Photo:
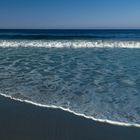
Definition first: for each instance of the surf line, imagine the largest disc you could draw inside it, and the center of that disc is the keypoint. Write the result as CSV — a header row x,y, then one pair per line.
x,y
73,112
70,44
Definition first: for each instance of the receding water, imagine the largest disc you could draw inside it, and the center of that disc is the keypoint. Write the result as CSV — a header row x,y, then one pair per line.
x,y
102,82
95,73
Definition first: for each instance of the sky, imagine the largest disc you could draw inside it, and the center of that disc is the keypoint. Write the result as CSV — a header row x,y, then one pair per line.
x,y
69,14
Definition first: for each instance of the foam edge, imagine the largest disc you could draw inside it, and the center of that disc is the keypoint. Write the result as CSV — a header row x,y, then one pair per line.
x,y
73,112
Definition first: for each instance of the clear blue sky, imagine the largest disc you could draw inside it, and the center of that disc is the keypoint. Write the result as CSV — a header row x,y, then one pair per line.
x,y
69,14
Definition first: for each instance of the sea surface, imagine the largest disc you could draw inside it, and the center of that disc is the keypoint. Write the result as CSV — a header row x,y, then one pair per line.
x,y
95,73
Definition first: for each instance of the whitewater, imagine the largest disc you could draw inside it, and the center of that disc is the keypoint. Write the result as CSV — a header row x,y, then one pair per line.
x,y
71,43
96,79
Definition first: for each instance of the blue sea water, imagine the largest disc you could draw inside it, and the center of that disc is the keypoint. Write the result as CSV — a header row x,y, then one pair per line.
x,y
70,34
91,72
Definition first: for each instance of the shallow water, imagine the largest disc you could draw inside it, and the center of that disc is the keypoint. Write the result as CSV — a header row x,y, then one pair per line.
x,y
102,82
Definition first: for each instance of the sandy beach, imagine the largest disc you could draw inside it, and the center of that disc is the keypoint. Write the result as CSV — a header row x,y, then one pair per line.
x,y
24,121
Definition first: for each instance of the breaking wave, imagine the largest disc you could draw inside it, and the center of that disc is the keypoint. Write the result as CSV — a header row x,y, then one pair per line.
x,y
98,79
70,43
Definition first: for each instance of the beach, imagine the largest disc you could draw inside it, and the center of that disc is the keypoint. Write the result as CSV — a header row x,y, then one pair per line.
x,y
19,120
69,85
69,70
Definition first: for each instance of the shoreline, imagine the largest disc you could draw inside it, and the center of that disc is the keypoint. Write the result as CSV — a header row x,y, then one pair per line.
x,y
71,111
20,120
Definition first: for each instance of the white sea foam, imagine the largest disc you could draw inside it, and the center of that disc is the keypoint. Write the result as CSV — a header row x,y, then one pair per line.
x,y
70,43
98,83
73,112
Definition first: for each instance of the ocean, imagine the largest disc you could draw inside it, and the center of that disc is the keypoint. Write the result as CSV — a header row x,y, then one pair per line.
x,y
92,73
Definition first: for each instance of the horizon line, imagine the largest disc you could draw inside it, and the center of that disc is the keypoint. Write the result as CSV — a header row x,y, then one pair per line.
x,y
69,28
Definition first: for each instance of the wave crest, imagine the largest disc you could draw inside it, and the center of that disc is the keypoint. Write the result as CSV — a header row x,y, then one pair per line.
x,y
102,83
70,43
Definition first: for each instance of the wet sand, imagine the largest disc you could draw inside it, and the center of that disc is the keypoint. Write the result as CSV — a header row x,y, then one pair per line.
x,y
22,121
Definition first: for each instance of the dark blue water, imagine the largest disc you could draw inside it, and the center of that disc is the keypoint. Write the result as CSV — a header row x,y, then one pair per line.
x,y
90,72
69,34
